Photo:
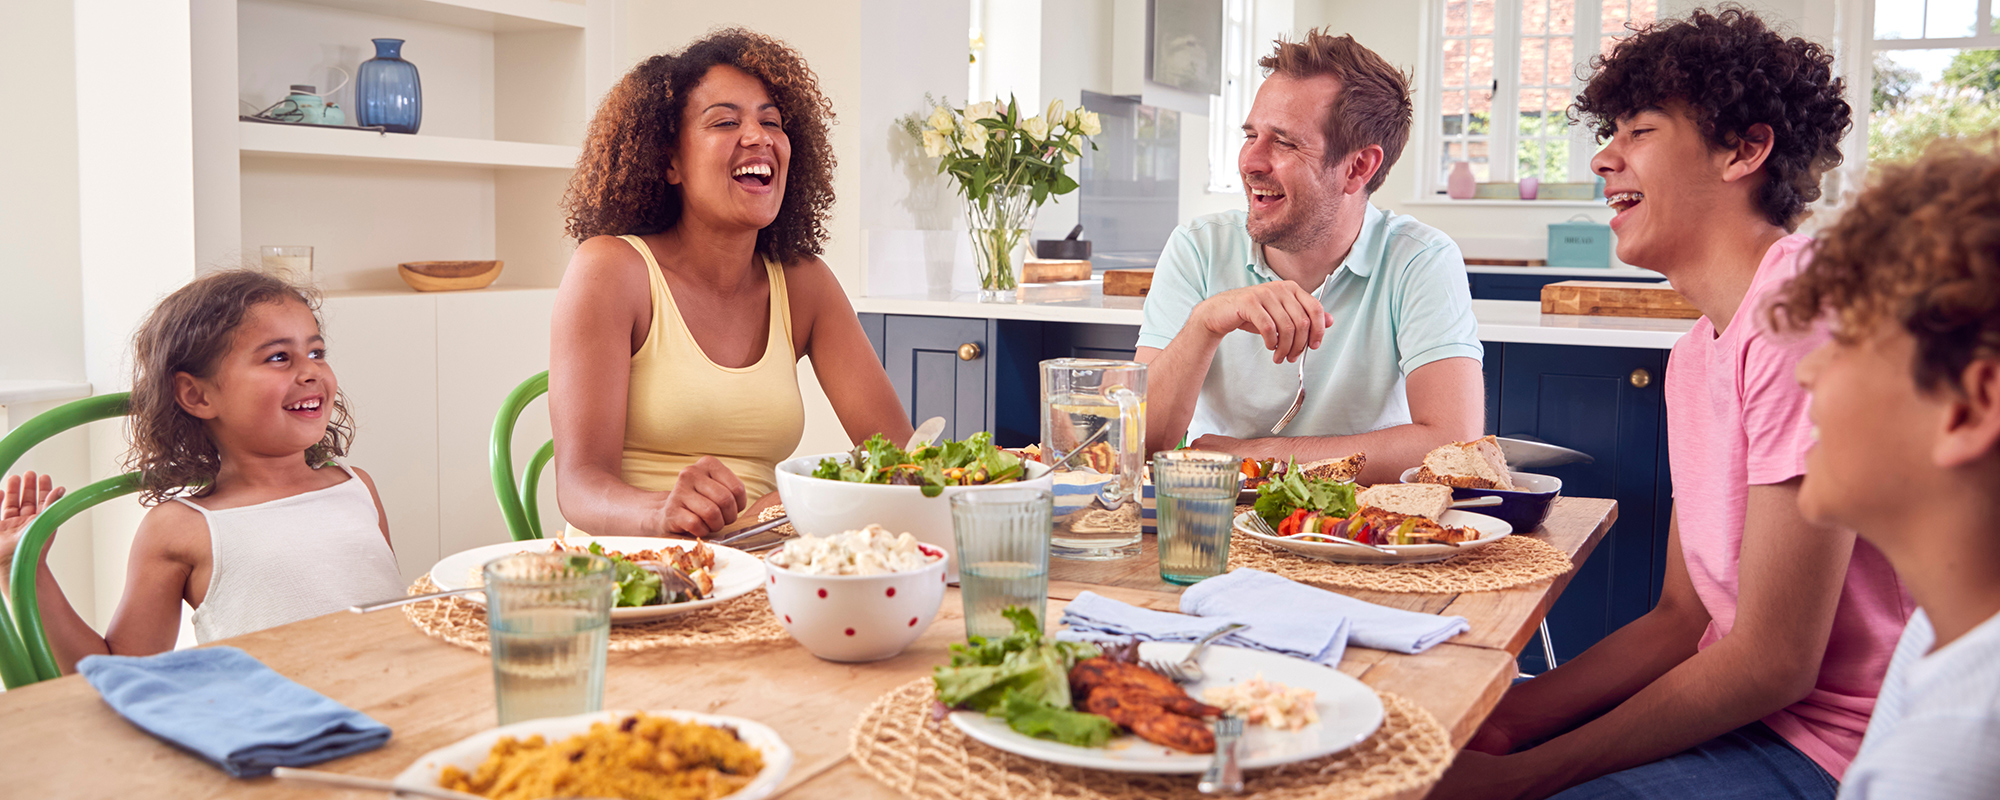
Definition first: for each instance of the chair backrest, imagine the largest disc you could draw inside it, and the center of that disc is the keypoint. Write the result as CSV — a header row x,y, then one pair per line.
x,y
517,502
24,648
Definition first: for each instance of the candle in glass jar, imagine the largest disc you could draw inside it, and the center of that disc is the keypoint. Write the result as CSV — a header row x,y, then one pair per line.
x,y
293,262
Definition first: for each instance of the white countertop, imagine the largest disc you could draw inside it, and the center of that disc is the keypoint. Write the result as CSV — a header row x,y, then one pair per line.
x,y
1567,272
1085,301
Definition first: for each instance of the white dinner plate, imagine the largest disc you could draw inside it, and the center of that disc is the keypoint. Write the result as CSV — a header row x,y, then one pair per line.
x,y
736,573
468,753
1348,712
1491,529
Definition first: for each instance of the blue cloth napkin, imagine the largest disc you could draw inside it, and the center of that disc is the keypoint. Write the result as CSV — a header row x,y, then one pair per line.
x,y
1261,598
1094,617
229,708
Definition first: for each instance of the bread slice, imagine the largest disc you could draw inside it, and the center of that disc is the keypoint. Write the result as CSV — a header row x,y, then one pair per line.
x,y
1477,464
1334,469
1427,500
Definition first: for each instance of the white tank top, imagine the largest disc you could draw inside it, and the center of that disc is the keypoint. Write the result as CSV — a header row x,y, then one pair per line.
x,y
294,558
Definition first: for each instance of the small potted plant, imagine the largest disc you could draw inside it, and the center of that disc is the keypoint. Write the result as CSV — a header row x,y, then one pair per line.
x,y
1006,167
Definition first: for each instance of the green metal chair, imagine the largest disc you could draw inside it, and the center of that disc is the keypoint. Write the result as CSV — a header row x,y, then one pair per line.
x,y
24,654
517,503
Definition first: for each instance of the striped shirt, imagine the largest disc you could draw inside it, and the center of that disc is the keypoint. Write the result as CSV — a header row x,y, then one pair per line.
x,y
1936,728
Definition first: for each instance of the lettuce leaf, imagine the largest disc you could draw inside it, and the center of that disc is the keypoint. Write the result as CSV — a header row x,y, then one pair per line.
x,y
637,586
1060,724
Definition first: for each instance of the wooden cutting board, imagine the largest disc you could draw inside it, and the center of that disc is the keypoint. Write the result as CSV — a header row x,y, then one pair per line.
x,y
1616,299
1128,282
1039,271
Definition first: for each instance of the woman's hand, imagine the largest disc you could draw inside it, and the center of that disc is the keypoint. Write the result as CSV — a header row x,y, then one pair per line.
x,y
706,497
20,501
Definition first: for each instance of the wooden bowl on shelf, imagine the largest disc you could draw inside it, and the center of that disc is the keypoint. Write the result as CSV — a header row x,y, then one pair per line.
x,y
448,276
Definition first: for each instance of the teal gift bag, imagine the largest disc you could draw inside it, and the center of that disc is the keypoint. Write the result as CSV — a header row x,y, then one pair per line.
x,y
1579,243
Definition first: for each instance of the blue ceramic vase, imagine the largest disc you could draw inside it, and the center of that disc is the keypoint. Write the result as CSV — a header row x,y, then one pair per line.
x,y
387,91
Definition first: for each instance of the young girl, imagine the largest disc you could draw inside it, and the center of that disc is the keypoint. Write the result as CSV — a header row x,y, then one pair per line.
x,y
236,419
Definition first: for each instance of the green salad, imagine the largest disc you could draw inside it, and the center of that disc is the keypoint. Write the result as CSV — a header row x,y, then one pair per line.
x,y
1279,497
637,585
1024,679
973,462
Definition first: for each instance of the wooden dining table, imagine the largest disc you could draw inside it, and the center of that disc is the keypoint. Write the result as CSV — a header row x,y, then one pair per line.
x,y
58,739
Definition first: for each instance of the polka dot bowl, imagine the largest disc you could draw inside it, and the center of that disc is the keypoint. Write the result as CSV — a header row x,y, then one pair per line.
x,y
857,617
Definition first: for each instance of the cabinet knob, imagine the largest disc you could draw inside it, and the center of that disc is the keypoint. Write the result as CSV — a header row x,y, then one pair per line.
x,y
968,351
1641,378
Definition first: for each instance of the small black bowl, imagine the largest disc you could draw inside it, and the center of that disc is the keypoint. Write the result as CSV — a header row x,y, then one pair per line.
x,y
1523,509
1062,249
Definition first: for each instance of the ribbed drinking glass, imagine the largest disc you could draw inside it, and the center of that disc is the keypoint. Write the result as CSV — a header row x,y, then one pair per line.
x,y
1196,493
1003,555
548,616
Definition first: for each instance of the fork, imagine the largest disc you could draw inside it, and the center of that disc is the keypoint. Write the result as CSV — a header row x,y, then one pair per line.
x,y
1188,669
1223,776
1298,401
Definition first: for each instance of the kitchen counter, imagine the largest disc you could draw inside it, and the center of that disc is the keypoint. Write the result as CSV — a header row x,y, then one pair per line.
x,y
1085,302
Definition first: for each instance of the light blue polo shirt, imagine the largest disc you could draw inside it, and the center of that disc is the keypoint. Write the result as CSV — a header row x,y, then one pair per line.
x,y
1399,301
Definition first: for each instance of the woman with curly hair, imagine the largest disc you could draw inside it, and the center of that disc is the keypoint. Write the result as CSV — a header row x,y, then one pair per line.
x,y
1754,674
700,202
1907,402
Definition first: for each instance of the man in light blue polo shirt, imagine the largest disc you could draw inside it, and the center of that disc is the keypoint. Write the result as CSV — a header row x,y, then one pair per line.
x,y
1376,304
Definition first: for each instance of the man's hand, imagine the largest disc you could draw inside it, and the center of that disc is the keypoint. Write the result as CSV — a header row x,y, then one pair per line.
x,y
20,501
706,497
1290,319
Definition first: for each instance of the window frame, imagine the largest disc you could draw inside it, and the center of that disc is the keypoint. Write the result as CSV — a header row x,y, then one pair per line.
x,y
1226,111
1586,35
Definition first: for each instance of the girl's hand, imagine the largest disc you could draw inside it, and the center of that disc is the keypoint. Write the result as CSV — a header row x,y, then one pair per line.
x,y
20,501
706,497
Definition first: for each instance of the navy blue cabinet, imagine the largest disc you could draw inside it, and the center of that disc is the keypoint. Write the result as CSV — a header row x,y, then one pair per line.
x,y
1605,401
978,374
1502,286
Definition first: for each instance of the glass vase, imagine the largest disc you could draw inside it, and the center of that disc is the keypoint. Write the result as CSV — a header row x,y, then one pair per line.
x,y
387,91
999,223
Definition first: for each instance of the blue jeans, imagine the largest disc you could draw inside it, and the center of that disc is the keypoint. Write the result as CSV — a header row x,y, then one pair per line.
x,y
1752,762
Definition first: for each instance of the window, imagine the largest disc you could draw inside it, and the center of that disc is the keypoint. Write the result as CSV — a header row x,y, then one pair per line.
x,y
1226,111
1936,72
1515,63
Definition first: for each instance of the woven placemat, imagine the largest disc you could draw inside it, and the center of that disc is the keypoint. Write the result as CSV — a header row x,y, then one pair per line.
x,y
1505,564
773,513
746,619
900,743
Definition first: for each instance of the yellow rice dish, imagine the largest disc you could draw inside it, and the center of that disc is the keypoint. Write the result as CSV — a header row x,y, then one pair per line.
x,y
640,758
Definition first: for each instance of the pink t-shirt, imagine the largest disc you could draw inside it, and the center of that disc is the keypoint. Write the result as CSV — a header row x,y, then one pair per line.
x,y
1736,417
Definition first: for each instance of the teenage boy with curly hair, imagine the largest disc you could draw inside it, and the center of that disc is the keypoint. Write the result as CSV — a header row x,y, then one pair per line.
x,y
1906,404
1755,674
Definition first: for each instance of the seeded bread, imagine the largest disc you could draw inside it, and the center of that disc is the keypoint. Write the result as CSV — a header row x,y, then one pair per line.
x,y
1477,464
1427,500
1334,469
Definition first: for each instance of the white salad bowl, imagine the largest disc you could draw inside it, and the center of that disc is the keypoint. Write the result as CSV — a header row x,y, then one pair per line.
x,y
823,507
857,617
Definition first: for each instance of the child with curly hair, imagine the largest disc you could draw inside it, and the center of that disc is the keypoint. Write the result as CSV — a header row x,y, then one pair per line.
x,y
1906,404
236,421
1755,673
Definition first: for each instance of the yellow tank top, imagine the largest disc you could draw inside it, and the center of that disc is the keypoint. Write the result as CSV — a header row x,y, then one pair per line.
x,y
682,406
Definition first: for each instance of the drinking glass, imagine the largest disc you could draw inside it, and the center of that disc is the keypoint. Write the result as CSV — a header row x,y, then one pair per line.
x,y
292,262
548,616
1094,441
1003,555
1196,493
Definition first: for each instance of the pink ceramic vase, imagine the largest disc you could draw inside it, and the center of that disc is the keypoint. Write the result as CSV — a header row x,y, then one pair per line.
x,y
1461,185
1530,187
